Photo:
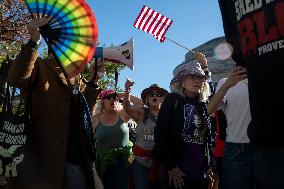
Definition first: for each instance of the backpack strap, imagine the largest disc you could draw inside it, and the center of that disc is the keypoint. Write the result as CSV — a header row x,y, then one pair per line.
x,y
7,100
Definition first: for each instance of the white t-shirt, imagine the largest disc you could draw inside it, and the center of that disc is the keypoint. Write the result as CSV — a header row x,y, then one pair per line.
x,y
236,108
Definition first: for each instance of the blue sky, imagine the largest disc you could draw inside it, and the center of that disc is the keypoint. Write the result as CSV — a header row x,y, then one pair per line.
x,y
194,22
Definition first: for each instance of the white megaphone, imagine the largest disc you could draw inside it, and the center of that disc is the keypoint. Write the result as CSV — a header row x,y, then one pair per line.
x,y
122,54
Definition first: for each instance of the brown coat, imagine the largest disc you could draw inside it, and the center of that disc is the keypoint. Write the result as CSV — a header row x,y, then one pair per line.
x,y
50,116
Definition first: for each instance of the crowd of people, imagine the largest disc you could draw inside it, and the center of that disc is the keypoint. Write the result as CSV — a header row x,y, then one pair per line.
x,y
178,133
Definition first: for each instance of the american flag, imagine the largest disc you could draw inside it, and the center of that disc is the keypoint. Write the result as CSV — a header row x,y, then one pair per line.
x,y
153,22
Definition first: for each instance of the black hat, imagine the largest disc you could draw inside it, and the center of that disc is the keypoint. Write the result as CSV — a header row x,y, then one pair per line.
x,y
153,87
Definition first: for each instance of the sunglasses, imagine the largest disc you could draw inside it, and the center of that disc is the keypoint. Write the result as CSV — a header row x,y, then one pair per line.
x,y
111,96
155,94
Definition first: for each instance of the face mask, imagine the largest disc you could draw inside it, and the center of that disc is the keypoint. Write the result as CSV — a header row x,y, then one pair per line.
x,y
100,74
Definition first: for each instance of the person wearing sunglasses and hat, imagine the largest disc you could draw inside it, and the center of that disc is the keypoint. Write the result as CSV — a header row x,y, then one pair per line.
x,y
145,118
112,140
183,129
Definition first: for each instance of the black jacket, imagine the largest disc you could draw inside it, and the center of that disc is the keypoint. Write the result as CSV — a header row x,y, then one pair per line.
x,y
168,131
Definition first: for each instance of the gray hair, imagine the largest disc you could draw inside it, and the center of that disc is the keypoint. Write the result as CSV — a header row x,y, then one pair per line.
x,y
203,96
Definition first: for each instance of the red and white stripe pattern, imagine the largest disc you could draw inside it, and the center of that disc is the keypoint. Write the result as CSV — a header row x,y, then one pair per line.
x,y
153,22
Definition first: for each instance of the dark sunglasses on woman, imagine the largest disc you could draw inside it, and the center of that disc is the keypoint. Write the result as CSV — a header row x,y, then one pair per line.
x,y
155,94
113,96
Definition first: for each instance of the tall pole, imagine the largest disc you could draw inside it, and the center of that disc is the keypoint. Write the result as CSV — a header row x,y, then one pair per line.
x,y
180,45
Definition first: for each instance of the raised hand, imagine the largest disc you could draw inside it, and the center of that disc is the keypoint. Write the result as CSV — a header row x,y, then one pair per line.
x,y
201,59
34,26
237,75
176,176
128,84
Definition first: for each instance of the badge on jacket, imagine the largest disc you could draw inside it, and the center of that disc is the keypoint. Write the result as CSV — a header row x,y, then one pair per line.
x,y
75,89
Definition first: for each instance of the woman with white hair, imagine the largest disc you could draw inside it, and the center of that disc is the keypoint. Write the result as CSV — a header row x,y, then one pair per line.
x,y
182,132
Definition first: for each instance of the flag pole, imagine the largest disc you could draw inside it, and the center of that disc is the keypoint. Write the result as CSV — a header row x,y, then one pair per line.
x,y
180,45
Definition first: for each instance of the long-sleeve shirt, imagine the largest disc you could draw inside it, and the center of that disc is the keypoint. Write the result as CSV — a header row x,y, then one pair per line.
x,y
183,136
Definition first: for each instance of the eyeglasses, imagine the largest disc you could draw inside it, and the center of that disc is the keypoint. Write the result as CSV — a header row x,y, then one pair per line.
x,y
155,94
111,96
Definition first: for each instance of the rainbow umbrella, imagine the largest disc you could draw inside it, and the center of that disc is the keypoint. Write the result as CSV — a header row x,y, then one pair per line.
x,y
71,33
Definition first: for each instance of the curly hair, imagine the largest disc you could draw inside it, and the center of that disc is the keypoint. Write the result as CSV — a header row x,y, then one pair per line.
x,y
99,107
203,96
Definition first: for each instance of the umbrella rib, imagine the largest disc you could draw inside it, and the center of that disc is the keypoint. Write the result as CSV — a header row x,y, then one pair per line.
x,y
37,9
44,9
67,13
91,44
52,7
57,58
75,27
56,46
66,55
71,20
61,9
77,35
29,9
70,48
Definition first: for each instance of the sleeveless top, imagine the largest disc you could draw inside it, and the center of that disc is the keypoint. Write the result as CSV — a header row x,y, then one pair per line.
x,y
145,136
115,136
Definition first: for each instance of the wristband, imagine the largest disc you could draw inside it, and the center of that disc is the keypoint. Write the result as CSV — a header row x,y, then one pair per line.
x,y
32,44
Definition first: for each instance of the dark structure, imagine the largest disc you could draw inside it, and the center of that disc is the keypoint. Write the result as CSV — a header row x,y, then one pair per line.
x,y
215,52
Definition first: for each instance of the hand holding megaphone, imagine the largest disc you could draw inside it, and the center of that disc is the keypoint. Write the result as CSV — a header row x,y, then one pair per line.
x,y
128,84
121,54
96,66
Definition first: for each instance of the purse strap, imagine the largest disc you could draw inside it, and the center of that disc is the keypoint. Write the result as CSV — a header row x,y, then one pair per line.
x,y
21,103
7,104
87,123
7,101
28,107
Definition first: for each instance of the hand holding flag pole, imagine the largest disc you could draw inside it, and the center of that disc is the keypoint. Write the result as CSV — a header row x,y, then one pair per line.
x,y
155,24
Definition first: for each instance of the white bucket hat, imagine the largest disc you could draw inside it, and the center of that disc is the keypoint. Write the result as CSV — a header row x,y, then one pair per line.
x,y
188,68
